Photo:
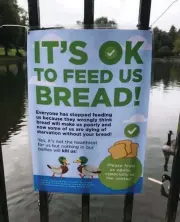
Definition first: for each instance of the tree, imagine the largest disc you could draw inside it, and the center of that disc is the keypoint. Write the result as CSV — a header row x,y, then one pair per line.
x,y
177,45
23,32
162,38
178,32
9,15
164,51
102,22
173,33
164,41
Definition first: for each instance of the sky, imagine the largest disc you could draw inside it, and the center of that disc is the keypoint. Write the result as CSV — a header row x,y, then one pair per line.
x,y
125,12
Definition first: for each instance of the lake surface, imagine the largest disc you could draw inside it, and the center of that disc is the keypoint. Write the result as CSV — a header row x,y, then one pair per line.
x,y
23,201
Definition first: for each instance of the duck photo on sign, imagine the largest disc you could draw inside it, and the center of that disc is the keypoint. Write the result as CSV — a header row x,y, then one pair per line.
x,y
60,170
86,169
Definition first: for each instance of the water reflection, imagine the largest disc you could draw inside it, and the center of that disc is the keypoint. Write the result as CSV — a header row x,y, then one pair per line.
x,y
12,98
13,88
167,73
22,201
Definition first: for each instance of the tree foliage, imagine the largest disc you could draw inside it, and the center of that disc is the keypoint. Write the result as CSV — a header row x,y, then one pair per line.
x,y
177,45
102,22
11,13
165,42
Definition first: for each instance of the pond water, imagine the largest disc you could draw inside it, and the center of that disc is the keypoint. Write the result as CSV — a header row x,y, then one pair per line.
x,y
23,201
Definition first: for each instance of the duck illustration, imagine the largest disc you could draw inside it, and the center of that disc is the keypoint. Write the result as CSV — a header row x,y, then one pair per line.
x,y
62,169
86,170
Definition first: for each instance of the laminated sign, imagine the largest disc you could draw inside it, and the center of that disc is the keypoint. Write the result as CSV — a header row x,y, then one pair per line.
x,y
88,96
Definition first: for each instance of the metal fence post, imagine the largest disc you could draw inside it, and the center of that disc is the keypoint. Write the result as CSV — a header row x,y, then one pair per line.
x,y
128,207
173,197
85,207
34,23
143,24
34,14
88,13
44,206
144,14
88,24
3,199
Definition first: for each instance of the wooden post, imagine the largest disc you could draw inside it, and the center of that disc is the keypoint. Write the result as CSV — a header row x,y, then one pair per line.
x,y
175,183
143,24
34,23
3,199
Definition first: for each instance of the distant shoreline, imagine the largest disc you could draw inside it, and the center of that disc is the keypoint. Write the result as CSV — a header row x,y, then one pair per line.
x,y
167,60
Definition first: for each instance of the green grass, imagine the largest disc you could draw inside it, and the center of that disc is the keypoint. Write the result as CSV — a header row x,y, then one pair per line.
x,y
12,52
